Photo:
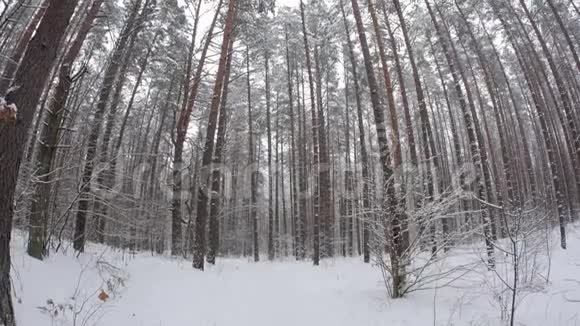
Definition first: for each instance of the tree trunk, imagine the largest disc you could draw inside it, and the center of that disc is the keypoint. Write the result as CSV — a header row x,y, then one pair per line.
x,y
302,168
565,32
384,152
202,204
292,159
564,96
252,165
180,133
105,178
216,208
154,153
103,98
270,171
48,143
315,135
362,141
402,87
31,76
473,141
426,131
277,183
326,203
532,79
348,198
19,50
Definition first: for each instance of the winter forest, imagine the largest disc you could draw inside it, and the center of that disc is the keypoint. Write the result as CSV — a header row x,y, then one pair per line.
x,y
299,162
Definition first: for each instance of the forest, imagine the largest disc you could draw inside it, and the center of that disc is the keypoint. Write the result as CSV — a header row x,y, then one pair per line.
x,y
412,149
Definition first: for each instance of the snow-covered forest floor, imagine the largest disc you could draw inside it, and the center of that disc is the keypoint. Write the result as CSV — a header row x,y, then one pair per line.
x,y
146,290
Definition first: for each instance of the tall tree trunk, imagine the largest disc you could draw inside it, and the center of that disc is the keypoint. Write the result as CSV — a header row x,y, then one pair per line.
x,y
103,98
18,52
154,154
202,204
518,114
362,141
270,171
385,156
448,50
216,204
398,223
292,158
105,178
349,197
315,140
396,138
180,134
326,203
402,87
302,163
48,143
497,107
252,165
190,56
565,32
285,238
31,76
564,96
426,131
277,184
543,116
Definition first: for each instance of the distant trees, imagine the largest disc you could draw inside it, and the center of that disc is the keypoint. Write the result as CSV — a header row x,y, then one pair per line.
x,y
126,37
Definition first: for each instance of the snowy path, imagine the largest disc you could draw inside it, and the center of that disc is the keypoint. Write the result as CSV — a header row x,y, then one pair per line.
x,y
238,293
165,291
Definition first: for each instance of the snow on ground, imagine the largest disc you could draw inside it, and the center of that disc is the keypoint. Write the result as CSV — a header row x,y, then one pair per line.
x,y
162,291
